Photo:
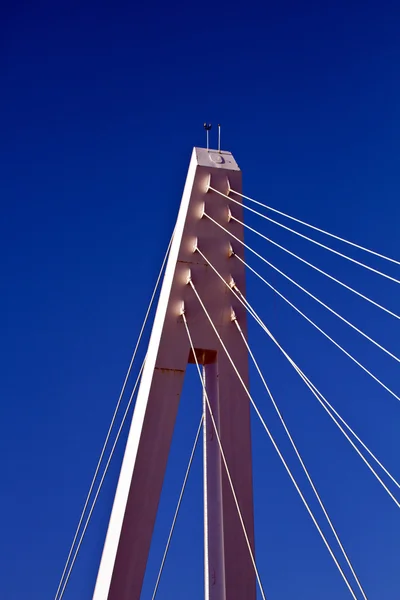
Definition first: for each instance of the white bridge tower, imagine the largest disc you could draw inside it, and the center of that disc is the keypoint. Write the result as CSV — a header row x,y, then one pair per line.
x,y
229,572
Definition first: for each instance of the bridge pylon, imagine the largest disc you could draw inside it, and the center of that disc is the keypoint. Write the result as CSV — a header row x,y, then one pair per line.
x,y
229,572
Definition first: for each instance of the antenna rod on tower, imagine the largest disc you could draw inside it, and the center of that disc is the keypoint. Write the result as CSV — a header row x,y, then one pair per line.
x,y
207,127
219,138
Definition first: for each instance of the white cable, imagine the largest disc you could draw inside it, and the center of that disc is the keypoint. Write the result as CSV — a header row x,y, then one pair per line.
x,y
309,264
332,235
305,237
206,528
359,440
101,482
177,508
113,418
205,395
324,402
300,458
318,328
274,444
396,358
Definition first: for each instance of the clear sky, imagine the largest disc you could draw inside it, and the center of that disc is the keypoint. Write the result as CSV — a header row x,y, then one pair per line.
x,y
101,104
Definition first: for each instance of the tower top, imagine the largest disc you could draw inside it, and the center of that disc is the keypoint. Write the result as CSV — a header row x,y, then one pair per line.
x,y
213,158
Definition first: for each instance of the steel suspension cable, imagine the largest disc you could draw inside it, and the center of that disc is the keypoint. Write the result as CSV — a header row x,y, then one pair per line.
x,y
332,235
289,435
370,339
206,512
205,395
324,403
359,440
274,443
114,416
178,506
101,483
331,277
316,326
320,397
305,237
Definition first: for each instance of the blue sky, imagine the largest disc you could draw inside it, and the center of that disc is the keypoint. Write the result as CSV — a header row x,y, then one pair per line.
x,y
100,108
